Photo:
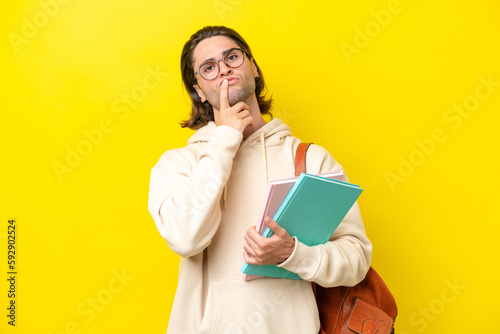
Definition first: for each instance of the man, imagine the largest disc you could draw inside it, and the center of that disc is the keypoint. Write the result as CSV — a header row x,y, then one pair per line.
x,y
205,199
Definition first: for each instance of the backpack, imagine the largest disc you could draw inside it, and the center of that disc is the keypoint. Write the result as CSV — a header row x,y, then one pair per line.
x,y
366,308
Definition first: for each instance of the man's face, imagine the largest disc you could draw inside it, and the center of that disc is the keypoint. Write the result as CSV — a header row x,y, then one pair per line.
x,y
241,80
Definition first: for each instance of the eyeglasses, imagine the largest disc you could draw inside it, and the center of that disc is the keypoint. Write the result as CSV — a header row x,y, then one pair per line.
x,y
209,69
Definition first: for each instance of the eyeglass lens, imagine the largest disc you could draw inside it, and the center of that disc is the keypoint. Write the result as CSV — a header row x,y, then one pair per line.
x,y
210,69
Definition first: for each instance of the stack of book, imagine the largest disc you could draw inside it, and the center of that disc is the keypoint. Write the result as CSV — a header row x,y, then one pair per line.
x,y
309,207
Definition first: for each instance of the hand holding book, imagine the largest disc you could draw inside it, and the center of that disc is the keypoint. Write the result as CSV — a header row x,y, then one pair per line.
x,y
260,250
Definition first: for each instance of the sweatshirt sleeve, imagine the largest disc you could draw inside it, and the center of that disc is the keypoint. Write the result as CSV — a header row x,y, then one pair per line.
x,y
345,259
185,190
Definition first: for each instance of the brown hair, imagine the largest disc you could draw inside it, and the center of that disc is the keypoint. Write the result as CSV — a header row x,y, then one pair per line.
x,y
202,112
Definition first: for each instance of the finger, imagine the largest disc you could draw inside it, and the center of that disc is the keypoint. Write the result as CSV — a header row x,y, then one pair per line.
x,y
240,107
249,259
241,114
253,258
246,118
242,111
252,238
248,250
249,120
224,104
274,226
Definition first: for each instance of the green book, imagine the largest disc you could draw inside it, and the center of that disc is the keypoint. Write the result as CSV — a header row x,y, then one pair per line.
x,y
312,211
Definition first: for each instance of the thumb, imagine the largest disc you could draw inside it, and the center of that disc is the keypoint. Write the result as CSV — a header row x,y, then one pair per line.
x,y
224,104
273,226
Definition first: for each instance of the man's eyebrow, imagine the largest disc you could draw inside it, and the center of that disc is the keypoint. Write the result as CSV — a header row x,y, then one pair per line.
x,y
222,53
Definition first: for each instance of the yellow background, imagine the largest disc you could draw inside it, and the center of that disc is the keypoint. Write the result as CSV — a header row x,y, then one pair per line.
x,y
68,66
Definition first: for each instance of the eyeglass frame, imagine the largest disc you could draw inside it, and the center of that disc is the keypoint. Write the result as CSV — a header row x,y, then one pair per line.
x,y
217,62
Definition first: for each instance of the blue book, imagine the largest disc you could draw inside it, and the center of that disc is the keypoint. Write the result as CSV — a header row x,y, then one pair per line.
x,y
312,211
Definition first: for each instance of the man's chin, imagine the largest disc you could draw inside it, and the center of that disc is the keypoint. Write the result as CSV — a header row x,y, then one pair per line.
x,y
238,96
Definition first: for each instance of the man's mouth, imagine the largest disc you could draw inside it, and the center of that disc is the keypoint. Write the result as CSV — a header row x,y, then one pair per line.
x,y
229,80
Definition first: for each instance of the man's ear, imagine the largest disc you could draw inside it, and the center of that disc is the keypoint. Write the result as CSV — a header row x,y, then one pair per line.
x,y
200,93
254,69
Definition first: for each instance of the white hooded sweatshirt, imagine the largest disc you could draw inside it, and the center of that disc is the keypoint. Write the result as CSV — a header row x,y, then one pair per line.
x,y
205,196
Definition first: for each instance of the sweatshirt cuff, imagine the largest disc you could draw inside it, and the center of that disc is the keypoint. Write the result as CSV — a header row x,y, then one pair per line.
x,y
226,139
304,260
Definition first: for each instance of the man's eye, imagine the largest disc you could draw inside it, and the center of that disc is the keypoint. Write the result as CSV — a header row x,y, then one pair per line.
x,y
232,57
208,68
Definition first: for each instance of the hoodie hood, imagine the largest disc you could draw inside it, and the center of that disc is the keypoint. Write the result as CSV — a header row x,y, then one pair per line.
x,y
274,133
271,134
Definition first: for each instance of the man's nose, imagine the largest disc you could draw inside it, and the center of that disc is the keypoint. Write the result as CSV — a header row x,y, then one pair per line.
x,y
224,69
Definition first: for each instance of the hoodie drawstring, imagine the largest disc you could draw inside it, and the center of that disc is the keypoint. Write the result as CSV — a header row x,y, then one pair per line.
x,y
264,157
224,195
